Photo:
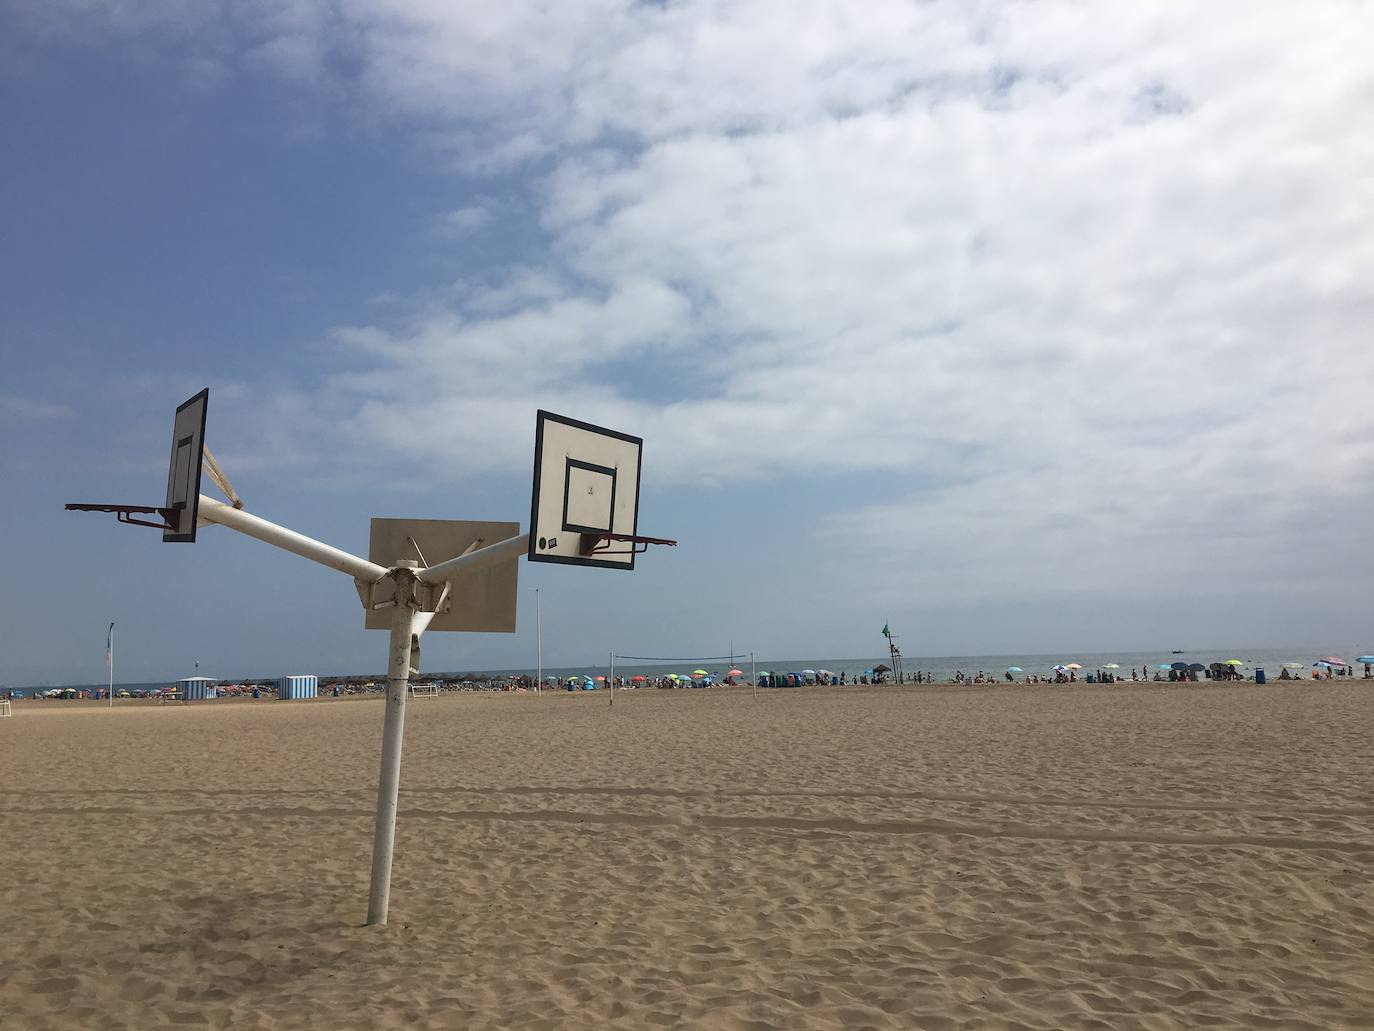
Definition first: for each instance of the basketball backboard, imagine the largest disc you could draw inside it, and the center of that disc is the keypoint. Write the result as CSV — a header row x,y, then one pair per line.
x,y
586,482
183,470
482,601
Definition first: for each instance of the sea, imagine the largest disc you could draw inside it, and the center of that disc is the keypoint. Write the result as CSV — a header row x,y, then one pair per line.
x,y
941,667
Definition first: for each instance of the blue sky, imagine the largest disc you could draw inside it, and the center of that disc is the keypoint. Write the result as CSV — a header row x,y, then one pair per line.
x,y
1023,327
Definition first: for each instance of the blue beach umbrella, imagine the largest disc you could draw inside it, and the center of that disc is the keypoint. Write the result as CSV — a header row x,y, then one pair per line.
x,y
1164,666
1364,658
1015,669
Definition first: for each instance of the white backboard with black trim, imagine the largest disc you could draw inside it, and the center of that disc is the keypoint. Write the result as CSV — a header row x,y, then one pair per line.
x,y
183,470
586,481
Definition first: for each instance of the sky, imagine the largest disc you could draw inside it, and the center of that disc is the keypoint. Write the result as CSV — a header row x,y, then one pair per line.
x,y
1020,327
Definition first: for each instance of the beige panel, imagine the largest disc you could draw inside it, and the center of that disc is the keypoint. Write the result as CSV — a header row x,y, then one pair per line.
x,y
480,602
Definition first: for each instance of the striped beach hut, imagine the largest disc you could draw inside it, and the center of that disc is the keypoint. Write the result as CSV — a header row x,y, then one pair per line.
x,y
292,688
197,689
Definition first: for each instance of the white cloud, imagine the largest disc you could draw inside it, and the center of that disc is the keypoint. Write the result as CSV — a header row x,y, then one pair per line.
x,y
18,407
463,221
1101,269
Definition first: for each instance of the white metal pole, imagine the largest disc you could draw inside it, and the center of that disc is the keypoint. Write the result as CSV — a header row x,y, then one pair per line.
x,y
610,676
753,676
289,540
403,625
491,555
110,652
538,646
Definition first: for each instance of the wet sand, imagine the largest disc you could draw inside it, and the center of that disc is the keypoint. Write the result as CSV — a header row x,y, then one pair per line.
x,y
1005,857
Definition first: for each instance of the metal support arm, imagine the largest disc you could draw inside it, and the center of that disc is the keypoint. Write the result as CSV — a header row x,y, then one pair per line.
x,y
492,555
289,540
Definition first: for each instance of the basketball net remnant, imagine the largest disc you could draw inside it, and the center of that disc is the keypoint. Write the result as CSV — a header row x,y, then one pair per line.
x,y
585,496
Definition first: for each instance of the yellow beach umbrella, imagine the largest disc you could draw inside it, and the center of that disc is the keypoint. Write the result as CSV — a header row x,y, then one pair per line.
x,y
1233,662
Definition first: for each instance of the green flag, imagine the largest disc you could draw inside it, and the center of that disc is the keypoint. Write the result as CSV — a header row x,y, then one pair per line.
x,y
886,631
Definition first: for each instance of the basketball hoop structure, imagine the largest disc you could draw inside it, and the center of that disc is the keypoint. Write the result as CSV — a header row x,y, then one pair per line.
x,y
584,500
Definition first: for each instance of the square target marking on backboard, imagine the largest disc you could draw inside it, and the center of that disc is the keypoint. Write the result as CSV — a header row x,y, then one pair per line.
x,y
586,480
588,497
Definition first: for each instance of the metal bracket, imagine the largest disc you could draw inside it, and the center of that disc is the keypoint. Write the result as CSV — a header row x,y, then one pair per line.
x,y
600,543
208,463
125,513
388,592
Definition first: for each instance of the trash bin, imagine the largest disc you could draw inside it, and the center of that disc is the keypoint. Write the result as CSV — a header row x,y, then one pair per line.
x,y
1259,674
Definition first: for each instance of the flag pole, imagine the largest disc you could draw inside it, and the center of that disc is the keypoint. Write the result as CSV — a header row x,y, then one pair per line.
x,y
109,661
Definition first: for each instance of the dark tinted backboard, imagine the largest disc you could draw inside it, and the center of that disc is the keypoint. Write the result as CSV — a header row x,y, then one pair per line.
x,y
183,470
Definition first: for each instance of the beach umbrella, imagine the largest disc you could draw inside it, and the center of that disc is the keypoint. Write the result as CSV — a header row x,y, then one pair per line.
x,y
1196,667
1112,665
638,676
1180,666
880,668
735,673
1293,665
1060,668
1335,661
672,676
1015,669
1073,665
1164,666
1365,658
1233,662
698,673
809,672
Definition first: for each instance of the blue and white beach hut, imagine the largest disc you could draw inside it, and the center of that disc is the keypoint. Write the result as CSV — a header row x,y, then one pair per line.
x,y
197,689
293,688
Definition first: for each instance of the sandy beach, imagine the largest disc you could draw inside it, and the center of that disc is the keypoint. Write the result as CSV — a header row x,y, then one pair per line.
x,y
1007,857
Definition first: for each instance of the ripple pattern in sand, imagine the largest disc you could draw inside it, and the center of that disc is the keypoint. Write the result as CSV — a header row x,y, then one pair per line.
x,y
889,859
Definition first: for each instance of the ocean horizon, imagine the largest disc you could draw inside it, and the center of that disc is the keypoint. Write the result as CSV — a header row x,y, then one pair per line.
x,y
942,667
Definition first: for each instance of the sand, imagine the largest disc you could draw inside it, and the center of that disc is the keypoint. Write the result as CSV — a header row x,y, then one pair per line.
x,y
1005,857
